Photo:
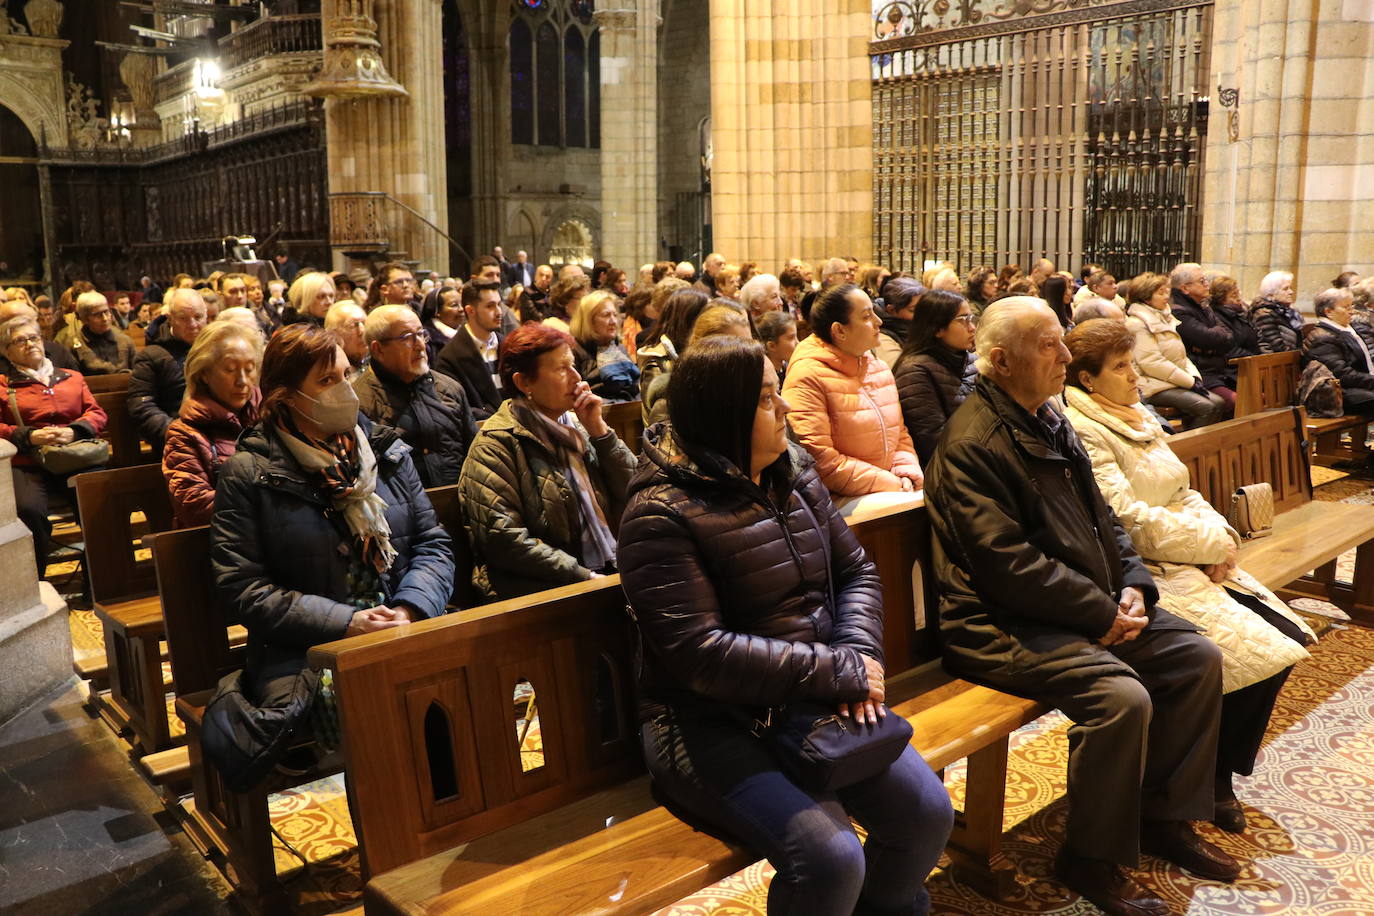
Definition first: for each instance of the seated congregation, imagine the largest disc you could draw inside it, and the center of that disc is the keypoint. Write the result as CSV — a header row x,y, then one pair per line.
x,y
713,447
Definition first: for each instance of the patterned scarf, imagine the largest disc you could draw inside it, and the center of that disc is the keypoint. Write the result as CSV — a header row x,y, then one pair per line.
x,y
343,466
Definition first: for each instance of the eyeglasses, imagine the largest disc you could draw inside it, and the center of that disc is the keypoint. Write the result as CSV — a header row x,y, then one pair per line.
x,y
25,340
966,319
402,281
409,337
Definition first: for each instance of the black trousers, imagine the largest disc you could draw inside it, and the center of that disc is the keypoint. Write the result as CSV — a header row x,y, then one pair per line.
x,y
1245,712
35,490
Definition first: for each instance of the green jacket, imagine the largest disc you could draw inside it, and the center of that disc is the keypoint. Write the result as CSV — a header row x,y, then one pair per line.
x,y
520,510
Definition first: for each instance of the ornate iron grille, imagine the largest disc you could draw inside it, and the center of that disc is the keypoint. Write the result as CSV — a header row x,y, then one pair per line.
x,y
1075,133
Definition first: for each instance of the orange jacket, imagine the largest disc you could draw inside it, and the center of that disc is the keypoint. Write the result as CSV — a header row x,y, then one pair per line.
x,y
845,411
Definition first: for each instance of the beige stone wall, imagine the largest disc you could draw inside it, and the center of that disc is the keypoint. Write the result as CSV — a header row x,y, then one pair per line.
x,y
684,99
1293,192
629,138
791,114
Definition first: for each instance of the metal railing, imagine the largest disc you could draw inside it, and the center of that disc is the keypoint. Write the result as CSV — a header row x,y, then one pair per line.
x,y
271,35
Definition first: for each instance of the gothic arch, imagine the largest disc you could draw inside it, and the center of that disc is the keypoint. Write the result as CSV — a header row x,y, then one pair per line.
x,y
43,117
583,216
521,234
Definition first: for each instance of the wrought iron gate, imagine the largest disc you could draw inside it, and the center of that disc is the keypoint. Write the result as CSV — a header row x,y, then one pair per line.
x,y
1068,129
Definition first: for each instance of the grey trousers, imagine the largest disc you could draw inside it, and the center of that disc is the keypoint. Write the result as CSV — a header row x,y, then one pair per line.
x,y
1144,740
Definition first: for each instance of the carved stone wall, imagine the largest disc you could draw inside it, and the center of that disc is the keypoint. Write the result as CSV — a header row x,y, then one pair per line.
x,y
31,84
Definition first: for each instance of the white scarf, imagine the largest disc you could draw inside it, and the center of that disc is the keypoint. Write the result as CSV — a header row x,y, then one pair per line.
x,y
43,374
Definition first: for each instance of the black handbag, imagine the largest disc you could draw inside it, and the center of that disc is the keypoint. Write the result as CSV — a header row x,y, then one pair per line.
x,y
244,741
819,748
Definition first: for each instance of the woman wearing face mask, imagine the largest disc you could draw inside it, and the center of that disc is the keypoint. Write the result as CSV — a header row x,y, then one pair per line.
x,y
221,402
321,529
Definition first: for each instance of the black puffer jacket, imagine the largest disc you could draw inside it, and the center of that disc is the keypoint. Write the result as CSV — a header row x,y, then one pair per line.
x,y
1338,352
1244,340
157,387
1027,552
729,590
431,414
1208,339
1278,326
280,553
931,386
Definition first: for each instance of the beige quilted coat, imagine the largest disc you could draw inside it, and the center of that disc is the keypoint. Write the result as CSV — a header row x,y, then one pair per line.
x,y
1177,532
1159,350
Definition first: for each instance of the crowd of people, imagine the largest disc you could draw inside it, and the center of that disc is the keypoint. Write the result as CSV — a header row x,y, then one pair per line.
x,y
302,420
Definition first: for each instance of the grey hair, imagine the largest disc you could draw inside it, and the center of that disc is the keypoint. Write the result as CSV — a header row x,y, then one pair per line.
x,y
1096,307
757,288
380,319
88,302
341,312
183,296
209,349
1183,274
9,328
1001,326
1328,299
1273,282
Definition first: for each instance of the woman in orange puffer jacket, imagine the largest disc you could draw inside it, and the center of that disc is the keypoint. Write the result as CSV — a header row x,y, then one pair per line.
x,y
844,402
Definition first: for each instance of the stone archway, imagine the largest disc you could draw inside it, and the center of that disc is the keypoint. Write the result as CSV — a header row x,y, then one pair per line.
x,y
23,250
571,243
32,86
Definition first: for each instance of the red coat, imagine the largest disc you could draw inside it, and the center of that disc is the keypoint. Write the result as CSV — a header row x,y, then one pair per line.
x,y
201,439
68,402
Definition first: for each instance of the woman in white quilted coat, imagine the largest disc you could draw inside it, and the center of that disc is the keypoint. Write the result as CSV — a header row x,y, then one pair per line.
x,y
1189,547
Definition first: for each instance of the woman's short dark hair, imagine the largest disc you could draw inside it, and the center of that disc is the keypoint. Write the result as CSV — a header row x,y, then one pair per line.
x,y
936,310
639,299
772,325
973,286
521,349
831,306
713,394
1094,342
902,293
679,313
291,355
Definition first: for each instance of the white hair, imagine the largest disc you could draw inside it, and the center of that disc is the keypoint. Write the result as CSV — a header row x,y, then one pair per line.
x,y
1273,282
88,302
1097,307
758,288
1183,274
1003,326
342,312
183,296
380,319
242,315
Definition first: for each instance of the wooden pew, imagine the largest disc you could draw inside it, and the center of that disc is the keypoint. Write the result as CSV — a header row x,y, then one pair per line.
x,y
126,448
450,513
137,335
1270,380
466,825
1308,535
627,421
124,590
115,381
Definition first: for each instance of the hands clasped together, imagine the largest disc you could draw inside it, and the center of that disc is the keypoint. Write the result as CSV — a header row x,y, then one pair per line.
x,y
871,709
377,618
1130,618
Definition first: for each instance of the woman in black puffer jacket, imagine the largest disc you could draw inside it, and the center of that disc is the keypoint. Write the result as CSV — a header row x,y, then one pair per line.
x,y
1277,324
935,372
321,528
722,561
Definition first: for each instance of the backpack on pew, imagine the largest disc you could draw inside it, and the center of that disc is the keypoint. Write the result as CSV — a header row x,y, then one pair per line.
x,y
1320,392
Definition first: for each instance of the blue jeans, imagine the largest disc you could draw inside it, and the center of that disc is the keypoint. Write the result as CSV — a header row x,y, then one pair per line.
x,y
721,779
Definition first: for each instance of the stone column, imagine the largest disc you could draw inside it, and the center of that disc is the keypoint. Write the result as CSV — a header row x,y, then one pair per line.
x,y
35,642
489,91
791,114
137,71
396,144
629,132
1290,186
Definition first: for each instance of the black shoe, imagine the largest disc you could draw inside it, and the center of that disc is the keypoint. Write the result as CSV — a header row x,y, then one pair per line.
x,y
1106,886
1177,842
1229,816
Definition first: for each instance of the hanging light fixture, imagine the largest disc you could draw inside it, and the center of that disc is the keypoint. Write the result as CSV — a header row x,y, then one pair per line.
x,y
353,66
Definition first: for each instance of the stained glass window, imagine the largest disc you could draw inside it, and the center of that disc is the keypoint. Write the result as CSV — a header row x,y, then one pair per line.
x,y
555,82
594,82
575,94
548,85
521,83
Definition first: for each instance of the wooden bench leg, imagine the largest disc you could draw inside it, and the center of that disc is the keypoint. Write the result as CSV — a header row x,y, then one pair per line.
x,y
251,862
1362,607
975,845
137,697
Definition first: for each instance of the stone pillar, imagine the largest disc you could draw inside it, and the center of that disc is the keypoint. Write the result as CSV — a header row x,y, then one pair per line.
x,y
791,115
1289,187
629,132
35,642
489,91
396,144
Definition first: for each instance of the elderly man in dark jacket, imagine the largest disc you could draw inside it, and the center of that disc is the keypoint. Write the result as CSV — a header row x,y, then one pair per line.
x,y
1206,335
157,384
101,348
1043,596
397,390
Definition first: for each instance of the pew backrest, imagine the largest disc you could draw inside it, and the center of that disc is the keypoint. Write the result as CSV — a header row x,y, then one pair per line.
x,y
450,512
195,626
627,420
114,381
1267,381
120,429
107,499
440,764
1266,447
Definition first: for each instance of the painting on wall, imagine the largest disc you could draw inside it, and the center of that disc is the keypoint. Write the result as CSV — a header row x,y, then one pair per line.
x,y
893,19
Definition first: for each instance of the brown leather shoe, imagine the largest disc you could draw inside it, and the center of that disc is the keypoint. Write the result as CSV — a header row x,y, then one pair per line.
x,y
1229,815
1106,886
1177,842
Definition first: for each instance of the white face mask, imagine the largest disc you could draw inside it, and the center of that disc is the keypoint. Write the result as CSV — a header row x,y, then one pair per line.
x,y
334,411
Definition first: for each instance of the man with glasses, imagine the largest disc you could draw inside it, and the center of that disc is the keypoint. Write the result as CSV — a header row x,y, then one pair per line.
x,y
426,410
100,348
398,285
1208,338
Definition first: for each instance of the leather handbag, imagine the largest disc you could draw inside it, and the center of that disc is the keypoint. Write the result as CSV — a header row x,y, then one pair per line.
x,y
821,750
1252,510
61,460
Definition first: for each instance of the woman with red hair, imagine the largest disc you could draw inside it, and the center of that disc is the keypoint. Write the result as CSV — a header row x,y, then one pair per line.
x,y
544,483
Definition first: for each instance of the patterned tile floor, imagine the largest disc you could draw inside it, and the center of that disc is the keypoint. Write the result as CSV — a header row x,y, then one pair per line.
x,y
1310,849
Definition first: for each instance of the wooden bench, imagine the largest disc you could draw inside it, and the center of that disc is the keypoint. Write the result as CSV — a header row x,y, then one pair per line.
x,y
1270,380
628,422
449,821
114,381
1299,559
126,448
124,591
